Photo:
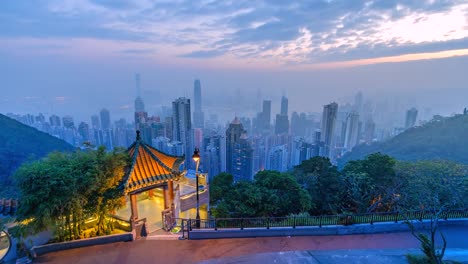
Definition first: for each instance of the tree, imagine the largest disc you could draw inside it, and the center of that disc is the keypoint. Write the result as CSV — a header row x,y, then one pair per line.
x,y
271,194
221,184
289,196
63,189
359,192
433,184
377,182
323,182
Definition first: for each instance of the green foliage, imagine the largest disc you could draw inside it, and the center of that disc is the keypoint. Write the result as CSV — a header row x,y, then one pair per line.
x,y
270,194
220,185
371,184
433,184
20,143
377,183
442,138
323,182
64,189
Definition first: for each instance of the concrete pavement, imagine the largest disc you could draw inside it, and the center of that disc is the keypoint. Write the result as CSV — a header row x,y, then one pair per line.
x,y
194,251
383,256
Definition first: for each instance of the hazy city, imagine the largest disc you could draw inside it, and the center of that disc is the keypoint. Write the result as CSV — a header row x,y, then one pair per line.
x,y
325,131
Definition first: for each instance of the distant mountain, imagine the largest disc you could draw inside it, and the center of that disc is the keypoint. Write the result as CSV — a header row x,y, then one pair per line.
x,y
441,138
19,142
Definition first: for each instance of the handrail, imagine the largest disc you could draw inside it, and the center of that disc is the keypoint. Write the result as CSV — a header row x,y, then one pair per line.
x,y
318,221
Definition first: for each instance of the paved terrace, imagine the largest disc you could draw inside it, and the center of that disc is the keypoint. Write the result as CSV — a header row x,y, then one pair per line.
x,y
333,249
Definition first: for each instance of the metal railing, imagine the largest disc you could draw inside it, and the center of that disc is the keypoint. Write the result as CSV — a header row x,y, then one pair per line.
x,y
188,225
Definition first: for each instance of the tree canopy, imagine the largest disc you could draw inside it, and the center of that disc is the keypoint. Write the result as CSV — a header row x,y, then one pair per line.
x,y
64,189
270,194
377,183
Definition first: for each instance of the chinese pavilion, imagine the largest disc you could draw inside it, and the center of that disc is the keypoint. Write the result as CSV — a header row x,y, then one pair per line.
x,y
151,169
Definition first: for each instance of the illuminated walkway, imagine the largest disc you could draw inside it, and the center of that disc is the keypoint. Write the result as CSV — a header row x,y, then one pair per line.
x,y
151,208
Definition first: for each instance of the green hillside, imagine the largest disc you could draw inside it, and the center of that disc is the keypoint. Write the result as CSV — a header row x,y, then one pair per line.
x,y
444,138
19,142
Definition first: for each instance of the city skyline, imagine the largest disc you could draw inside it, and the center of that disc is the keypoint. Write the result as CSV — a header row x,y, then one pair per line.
x,y
60,56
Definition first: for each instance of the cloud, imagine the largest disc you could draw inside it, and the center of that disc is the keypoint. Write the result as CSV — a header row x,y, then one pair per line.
x,y
203,54
137,51
284,32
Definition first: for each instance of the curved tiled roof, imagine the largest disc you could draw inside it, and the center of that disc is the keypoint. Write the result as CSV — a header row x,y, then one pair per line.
x,y
150,167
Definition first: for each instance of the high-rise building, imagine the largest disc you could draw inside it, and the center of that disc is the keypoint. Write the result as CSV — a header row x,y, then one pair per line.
x,y
83,130
298,127
282,121
239,153
369,131
266,116
213,154
198,116
352,131
141,116
54,120
105,119
411,116
284,105
278,158
358,101
182,125
282,124
95,123
67,122
328,127
242,160
233,134
139,105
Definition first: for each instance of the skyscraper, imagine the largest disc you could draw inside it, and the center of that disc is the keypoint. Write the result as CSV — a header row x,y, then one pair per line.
x,y
95,122
182,125
233,134
213,159
266,116
282,121
369,131
54,120
284,105
239,153
411,116
352,130
83,130
67,122
278,158
328,127
139,105
105,119
242,160
282,124
198,116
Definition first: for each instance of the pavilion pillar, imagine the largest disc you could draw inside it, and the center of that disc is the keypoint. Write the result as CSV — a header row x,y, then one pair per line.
x,y
170,186
151,193
166,197
134,207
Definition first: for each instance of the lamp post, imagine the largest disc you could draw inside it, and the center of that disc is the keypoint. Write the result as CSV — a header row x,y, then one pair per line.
x,y
196,158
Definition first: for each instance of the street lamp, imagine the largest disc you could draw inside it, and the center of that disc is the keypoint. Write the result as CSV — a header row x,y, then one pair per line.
x,y
196,158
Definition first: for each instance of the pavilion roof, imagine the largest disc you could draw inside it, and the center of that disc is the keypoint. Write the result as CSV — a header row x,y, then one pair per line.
x,y
150,167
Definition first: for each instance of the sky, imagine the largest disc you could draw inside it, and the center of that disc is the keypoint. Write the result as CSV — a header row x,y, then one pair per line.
x,y
78,56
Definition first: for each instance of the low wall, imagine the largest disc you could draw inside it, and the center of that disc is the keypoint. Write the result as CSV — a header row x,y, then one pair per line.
x,y
386,227
40,250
